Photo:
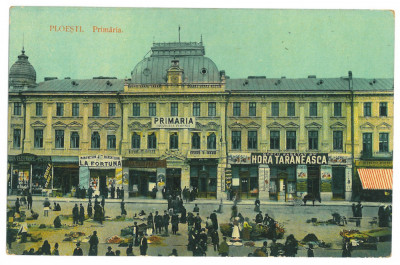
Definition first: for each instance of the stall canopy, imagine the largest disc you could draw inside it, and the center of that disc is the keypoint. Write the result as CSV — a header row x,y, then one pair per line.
x,y
376,178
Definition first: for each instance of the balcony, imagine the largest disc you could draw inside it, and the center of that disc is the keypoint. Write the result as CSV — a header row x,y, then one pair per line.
x,y
143,152
203,154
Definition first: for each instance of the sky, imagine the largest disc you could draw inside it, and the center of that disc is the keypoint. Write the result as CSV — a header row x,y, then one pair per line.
x,y
243,42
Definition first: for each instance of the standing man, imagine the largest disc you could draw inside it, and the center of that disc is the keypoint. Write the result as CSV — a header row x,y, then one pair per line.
x,y
17,205
78,251
75,214
89,209
123,211
197,223
158,221
143,245
81,214
122,195
90,192
112,191
30,201
135,232
215,239
93,242
359,213
118,193
166,221
174,222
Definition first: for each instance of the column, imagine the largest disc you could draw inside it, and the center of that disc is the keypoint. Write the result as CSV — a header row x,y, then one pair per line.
x,y
263,137
85,132
124,128
49,129
28,140
263,182
349,181
302,134
325,143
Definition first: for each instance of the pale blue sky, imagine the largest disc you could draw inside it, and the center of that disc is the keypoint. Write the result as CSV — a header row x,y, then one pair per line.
x,y
243,42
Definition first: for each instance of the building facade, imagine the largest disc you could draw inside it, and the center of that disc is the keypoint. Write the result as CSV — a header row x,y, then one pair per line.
x,y
180,122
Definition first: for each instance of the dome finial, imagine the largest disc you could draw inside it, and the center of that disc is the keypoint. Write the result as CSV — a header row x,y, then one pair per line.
x,y
23,48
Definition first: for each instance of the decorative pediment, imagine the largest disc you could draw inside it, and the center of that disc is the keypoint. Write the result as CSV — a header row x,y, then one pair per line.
x,y
95,126
136,125
173,155
38,124
291,125
17,126
275,125
236,125
338,125
212,126
59,124
384,125
253,125
367,125
199,126
111,126
75,124
313,125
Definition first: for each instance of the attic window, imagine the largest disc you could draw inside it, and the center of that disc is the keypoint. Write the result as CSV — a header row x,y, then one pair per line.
x,y
203,71
320,82
146,72
108,83
372,82
74,83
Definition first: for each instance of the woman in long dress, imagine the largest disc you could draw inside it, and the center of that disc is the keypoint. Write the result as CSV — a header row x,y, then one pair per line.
x,y
236,230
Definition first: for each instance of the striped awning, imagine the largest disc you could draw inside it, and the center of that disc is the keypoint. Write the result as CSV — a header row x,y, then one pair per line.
x,y
376,178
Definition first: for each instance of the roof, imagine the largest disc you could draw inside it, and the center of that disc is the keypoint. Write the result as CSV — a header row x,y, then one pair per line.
x,y
22,72
77,85
309,84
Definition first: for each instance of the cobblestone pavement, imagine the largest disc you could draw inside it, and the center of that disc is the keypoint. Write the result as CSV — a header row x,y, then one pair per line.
x,y
293,218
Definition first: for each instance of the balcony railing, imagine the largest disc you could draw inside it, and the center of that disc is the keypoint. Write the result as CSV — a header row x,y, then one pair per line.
x,y
202,153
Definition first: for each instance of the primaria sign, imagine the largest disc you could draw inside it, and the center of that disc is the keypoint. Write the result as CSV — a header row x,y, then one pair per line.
x,y
173,122
289,158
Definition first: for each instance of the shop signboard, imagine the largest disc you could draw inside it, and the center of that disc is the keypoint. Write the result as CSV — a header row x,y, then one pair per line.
x,y
228,179
100,161
374,163
173,122
339,159
29,158
239,158
289,158
48,176
326,178
301,178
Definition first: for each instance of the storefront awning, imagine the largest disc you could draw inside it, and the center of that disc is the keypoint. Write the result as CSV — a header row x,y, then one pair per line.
x,y
376,178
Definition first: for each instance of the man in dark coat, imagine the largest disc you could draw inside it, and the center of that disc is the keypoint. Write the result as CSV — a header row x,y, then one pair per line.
x,y
183,215
136,233
75,214
90,209
46,248
90,192
118,193
123,211
257,205
112,192
175,223
215,239
197,222
214,220
17,205
81,214
143,245
196,208
158,222
166,221
358,214
93,242
57,222
29,199
382,216
259,218
78,251
110,252
122,195
103,202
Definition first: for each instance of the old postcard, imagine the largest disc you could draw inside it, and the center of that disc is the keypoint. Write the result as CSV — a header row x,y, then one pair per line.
x,y
200,132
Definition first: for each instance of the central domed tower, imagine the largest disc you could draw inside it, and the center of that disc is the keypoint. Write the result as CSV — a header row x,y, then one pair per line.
x,y
196,67
22,73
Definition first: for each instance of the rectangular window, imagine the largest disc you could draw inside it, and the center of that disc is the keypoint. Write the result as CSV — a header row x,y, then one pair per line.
x,y
367,109
17,138
313,140
313,109
195,141
384,142
152,109
136,109
236,140
59,139
383,109
252,109
212,141
196,109
337,140
275,109
38,138
74,140
75,109
17,108
174,109
212,106
252,140
135,141
111,142
291,140
337,109
59,109
39,109
291,111
96,109
275,140
111,109
95,140
151,141
236,109
367,144
173,141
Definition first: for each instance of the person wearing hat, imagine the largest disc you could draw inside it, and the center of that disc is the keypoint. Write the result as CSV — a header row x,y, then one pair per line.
x,y
264,248
259,218
55,250
129,250
78,251
143,245
310,251
81,214
196,208
166,221
174,253
110,252
93,242
75,214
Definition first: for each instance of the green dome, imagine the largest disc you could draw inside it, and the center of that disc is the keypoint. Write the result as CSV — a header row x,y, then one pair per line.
x,y
22,72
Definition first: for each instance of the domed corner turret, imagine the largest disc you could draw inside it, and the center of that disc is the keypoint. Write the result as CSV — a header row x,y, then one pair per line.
x,y
22,73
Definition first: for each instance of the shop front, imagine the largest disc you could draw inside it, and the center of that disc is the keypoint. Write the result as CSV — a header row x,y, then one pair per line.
x,y
203,176
341,176
143,176
28,172
375,180
283,182
66,175
101,172
244,176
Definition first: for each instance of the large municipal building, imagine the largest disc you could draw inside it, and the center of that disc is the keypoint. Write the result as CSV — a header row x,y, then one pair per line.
x,y
179,121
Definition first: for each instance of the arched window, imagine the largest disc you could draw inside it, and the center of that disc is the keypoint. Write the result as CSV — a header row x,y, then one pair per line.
x,y
212,141
196,141
95,140
152,141
173,141
135,141
74,140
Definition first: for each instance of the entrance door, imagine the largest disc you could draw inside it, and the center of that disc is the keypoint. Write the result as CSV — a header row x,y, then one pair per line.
x,y
143,184
338,182
313,181
173,179
244,184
